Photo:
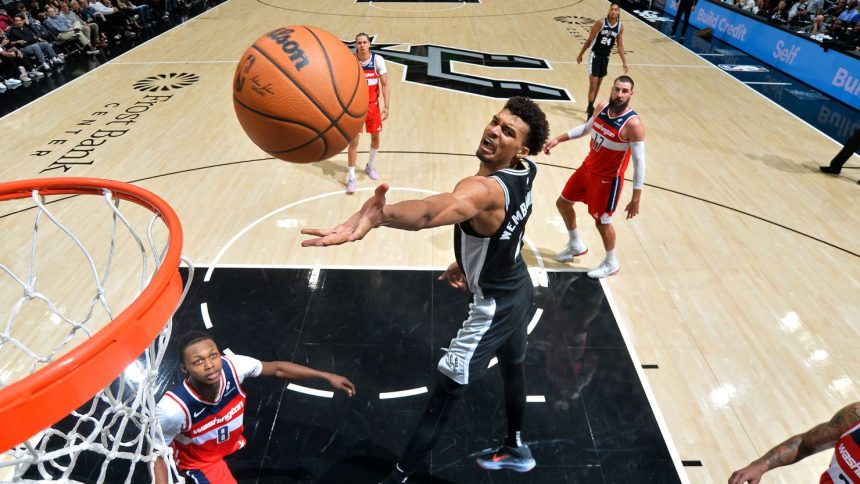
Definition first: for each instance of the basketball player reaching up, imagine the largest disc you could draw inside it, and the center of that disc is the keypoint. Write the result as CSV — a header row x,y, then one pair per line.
x,y
202,416
617,134
842,432
377,80
603,36
489,212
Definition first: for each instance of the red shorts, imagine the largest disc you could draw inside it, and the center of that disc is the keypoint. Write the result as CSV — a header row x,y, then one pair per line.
x,y
214,473
373,121
600,193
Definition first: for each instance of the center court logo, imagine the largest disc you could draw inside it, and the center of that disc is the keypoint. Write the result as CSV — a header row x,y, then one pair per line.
x,y
166,82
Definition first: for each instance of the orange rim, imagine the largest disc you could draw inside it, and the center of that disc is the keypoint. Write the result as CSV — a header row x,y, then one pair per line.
x,y
48,395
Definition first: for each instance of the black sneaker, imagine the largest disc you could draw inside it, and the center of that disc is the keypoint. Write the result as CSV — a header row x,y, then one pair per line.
x,y
514,458
589,111
830,170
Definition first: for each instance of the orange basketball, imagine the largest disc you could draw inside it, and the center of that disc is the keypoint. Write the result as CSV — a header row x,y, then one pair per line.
x,y
300,94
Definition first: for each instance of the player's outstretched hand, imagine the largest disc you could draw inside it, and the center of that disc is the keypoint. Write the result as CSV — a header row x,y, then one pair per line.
x,y
355,228
341,383
750,474
550,145
454,276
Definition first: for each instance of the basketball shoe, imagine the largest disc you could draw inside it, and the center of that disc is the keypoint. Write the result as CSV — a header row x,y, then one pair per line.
x,y
514,458
603,270
350,186
571,251
371,172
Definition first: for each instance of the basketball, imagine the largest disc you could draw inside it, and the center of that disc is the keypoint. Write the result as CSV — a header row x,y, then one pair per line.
x,y
300,94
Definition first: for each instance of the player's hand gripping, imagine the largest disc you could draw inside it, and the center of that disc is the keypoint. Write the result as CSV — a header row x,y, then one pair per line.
x,y
454,276
356,227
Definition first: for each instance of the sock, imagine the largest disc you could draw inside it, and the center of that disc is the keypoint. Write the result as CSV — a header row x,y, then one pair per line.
x,y
574,236
610,257
372,156
351,173
514,378
590,105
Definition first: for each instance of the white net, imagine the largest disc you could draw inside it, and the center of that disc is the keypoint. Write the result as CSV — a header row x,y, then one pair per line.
x,y
69,266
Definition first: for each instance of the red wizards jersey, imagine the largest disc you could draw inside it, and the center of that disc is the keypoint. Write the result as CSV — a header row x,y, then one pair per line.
x,y
202,432
845,465
373,68
609,154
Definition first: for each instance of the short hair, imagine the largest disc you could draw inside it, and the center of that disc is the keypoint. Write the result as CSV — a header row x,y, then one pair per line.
x,y
19,16
189,339
626,79
527,110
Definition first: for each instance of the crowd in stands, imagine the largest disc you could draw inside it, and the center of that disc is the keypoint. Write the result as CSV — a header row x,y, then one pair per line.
x,y
835,23
39,37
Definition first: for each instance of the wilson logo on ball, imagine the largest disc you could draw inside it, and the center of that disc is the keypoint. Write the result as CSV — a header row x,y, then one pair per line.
x,y
290,47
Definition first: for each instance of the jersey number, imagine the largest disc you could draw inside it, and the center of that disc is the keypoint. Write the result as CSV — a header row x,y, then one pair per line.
x,y
223,434
606,40
843,479
597,142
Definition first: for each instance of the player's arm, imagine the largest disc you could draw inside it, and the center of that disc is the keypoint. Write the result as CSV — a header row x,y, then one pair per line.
x,y
160,471
293,371
634,132
386,94
591,35
821,437
620,43
577,132
470,197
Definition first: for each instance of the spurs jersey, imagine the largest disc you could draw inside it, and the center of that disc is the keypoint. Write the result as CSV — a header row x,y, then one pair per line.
x,y
373,68
493,265
609,154
845,465
202,432
605,40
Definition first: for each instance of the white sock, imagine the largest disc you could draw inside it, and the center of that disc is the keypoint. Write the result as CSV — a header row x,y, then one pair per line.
x,y
351,173
574,236
610,257
372,156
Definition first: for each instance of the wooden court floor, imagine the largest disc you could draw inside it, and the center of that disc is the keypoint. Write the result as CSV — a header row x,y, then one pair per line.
x,y
740,279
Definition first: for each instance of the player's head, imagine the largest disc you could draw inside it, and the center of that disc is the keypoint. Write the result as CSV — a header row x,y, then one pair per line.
x,y
199,357
614,12
622,90
362,43
518,130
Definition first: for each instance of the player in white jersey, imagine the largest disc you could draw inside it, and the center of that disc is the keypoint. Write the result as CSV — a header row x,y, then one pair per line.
x,y
841,433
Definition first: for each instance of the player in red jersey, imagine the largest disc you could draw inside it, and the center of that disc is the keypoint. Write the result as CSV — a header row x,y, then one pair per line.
x,y
617,135
202,416
377,81
841,433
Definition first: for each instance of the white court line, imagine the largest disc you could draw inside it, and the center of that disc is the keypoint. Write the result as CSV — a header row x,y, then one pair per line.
x,y
144,63
402,393
535,399
538,313
684,66
310,391
324,266
204,311
652,400
769,83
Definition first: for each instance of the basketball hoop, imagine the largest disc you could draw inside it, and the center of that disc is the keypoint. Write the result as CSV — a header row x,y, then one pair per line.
x,y
120,420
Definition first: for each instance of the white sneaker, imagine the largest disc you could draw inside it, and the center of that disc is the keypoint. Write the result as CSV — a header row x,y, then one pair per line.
x,y
12,83
2,87
571,251
62,58
603,270
24,78
36,74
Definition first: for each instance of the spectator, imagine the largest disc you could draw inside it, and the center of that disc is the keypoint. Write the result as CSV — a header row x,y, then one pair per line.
x,y
800,21
91,17
780,14
746,5
25,38
91,31
12,57
5,20
851,16
818,27
835,10
761,9
66,31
